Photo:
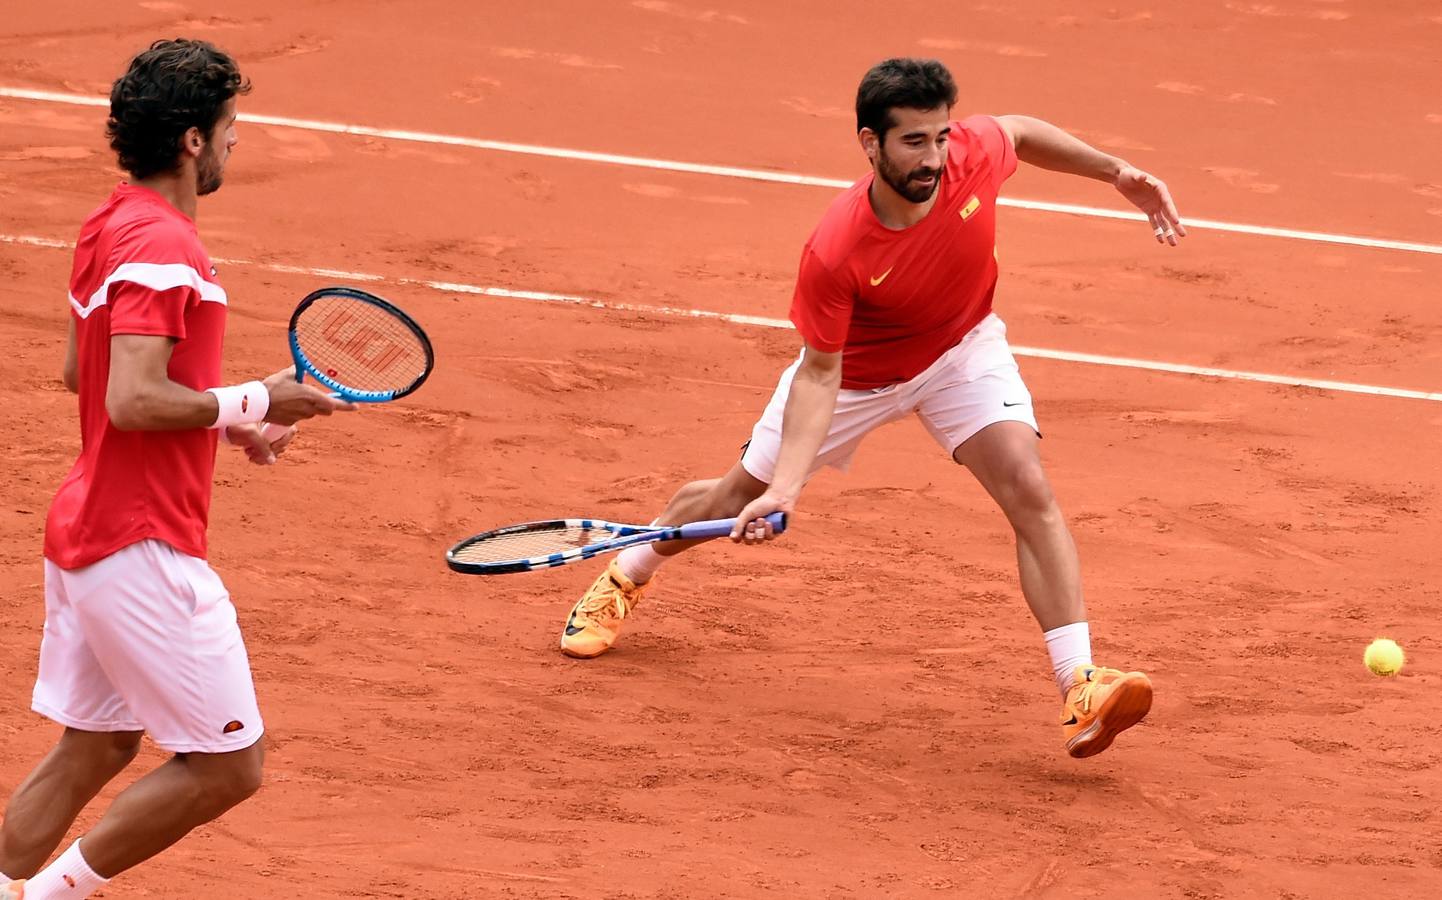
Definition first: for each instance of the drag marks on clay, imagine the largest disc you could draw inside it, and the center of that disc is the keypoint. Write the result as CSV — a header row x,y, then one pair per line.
x,y
301,45
298,146
1112,141
670,192
1242,178
569,60
808,107
477,89
46,153
532,186
679,11
1182,87
220,23
83,97
387,149
29,116
995,49
1273,11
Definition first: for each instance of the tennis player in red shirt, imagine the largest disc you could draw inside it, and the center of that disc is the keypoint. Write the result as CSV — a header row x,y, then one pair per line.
x,y
140,634
894,303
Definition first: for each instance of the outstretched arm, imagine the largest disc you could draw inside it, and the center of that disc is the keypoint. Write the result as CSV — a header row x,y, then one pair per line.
x,y
809,405
1047,146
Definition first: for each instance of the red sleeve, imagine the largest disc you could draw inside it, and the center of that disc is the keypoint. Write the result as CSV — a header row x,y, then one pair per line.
x,y
155,281
138,309
997,143
821,307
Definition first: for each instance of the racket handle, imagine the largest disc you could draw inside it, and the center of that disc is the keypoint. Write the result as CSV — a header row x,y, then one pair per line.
x,y
722,527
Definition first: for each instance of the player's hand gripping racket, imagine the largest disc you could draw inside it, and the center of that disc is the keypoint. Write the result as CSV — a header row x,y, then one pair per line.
x,y
364,349
558,542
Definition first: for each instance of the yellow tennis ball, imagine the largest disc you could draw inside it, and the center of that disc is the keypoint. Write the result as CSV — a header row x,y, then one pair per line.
x,y
1384,657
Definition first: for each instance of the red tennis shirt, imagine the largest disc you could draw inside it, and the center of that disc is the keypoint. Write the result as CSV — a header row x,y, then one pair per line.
x,y
139,269
894,301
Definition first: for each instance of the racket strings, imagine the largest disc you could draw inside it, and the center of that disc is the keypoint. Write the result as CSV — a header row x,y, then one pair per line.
x,y
531,543
360,345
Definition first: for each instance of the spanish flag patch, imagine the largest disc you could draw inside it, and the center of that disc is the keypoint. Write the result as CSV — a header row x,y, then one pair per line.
x,y
971,206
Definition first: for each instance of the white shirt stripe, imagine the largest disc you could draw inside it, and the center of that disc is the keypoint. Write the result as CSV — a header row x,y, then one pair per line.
x,y
157,277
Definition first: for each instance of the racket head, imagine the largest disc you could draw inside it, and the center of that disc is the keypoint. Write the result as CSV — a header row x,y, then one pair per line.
x,y
535,545
362,347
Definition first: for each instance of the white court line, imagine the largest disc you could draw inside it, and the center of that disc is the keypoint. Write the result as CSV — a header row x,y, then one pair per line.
x,y
421,137
453,287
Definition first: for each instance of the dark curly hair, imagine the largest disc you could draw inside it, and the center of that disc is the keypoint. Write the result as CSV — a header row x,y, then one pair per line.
x,y
909,83
170,88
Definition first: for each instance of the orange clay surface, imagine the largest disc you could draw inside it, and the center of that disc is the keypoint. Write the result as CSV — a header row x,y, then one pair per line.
x,y
863,709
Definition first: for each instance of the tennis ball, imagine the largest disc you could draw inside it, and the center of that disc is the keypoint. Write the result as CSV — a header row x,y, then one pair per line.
x,y
1384,657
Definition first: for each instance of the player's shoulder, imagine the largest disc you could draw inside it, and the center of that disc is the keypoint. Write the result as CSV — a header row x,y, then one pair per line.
x,y
843,225
983,138
981,128
152,235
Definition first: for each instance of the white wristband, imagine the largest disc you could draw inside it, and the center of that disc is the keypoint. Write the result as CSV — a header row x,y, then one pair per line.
x,y
241,404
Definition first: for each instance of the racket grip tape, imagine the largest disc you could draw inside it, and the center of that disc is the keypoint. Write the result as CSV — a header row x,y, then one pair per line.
x,y
722,527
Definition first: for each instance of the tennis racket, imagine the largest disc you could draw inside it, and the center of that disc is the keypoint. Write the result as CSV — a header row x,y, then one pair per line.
x,y
361,347
365,349
559,542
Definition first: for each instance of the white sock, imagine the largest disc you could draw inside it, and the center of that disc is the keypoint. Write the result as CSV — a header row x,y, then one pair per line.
x,y
68,878
1070,646
639,563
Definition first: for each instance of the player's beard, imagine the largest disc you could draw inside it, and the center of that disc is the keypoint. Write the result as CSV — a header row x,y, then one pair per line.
x,y
905,183
209,171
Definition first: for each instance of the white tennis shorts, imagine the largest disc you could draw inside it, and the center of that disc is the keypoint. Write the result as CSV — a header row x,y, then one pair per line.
x,y
973,385
146,639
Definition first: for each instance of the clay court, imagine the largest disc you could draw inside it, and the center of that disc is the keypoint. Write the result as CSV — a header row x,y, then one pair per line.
x,y
862,709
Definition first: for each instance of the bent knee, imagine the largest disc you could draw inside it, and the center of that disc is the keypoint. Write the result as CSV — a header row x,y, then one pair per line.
x,y
110,751
1026,491
234,779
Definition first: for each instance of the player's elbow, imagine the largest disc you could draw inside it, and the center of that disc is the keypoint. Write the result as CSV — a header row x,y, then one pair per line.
x,y
129,410
821,368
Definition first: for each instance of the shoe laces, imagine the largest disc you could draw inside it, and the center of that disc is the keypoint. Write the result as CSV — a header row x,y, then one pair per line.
x,y
1085,691
603,598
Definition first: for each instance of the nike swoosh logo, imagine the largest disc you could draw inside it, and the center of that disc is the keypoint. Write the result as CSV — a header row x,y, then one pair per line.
x,y
882,277
1018,403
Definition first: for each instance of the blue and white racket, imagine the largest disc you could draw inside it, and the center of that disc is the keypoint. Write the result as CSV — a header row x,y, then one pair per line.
x,y
361,347
558,542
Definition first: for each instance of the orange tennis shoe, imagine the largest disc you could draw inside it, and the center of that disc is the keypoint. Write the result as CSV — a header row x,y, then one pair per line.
x,y
1101,704
15,890
595,620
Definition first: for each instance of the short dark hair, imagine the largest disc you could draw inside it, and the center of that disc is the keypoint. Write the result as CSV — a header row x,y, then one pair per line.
x,y
169,89
906,82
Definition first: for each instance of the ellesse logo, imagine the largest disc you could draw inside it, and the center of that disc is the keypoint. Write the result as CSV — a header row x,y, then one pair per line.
x,y
244,402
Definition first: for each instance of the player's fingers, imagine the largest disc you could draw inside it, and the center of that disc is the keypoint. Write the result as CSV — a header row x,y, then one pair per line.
x,y
756,531
1159,229
738,531
278,444
257,448
1170,216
